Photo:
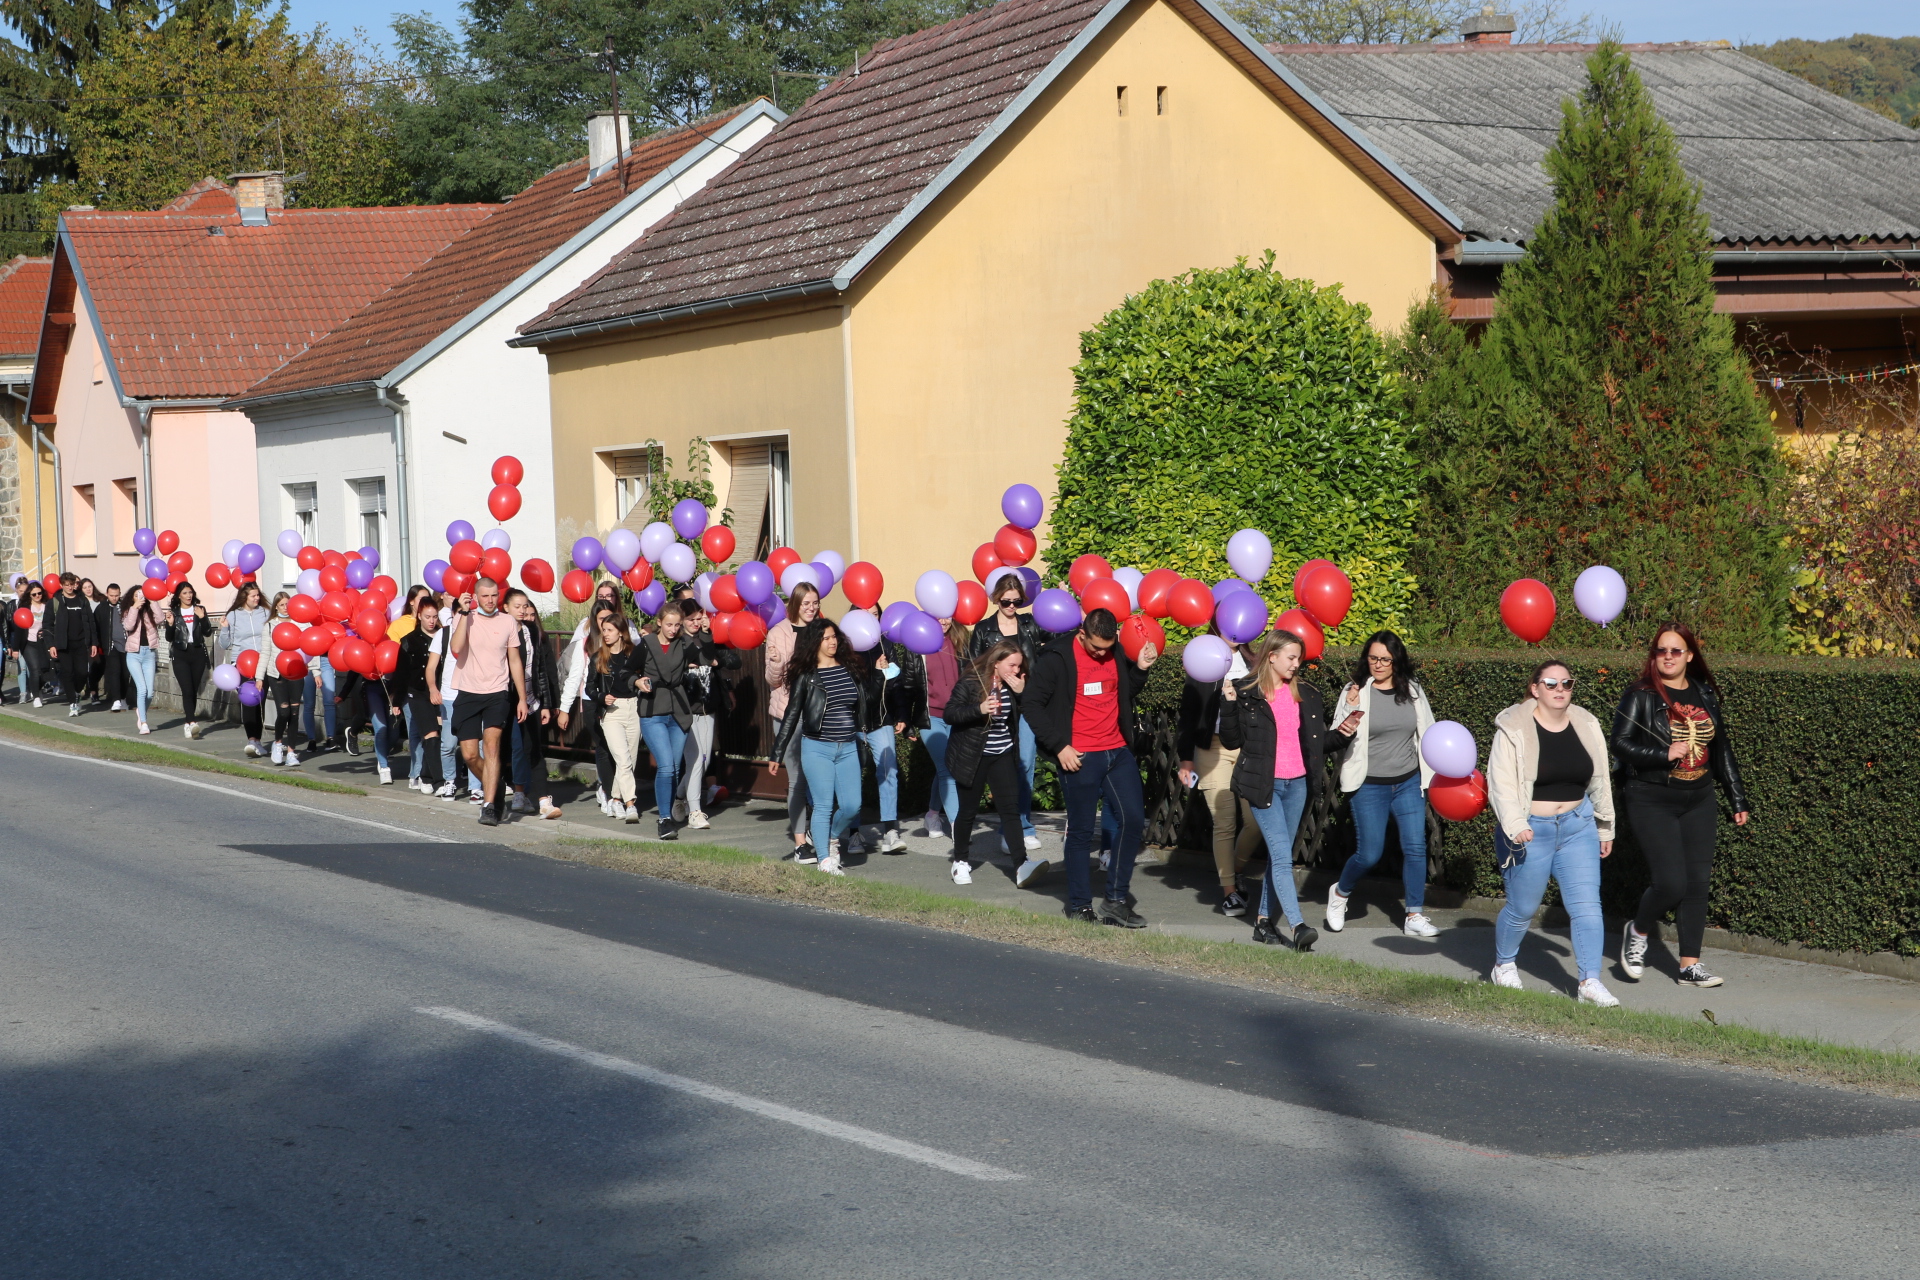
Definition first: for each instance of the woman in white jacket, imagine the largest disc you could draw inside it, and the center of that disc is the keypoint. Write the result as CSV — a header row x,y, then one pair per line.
x,y
1547,778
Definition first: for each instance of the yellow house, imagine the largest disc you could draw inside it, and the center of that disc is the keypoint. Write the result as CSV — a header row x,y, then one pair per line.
x,y
872,317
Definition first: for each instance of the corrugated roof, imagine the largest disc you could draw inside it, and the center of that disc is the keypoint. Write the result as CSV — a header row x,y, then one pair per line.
x,y
194,305
1776,158
487,258
23,300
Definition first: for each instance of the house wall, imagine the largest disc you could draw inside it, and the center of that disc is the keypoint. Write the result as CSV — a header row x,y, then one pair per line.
x,y
204,483
326,443
99,444
22,550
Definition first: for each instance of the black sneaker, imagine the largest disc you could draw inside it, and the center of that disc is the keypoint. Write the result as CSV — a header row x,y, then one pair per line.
x,y
353,742
488,818
1233,904
1696,975
1118,914
1304,937
664,831
805,854
1082,914
1266,935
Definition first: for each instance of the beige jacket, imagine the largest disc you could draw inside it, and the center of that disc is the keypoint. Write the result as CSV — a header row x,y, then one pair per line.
x,y
1514,763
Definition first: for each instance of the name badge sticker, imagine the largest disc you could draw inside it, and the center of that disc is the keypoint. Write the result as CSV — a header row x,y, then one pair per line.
x,y
1092,690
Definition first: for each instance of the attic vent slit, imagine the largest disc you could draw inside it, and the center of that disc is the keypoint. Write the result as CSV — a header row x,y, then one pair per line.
x,y
1121,94
1160,101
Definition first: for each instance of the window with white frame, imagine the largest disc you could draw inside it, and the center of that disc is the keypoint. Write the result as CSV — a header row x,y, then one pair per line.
x,y
304,500
632,484
780,497
372,497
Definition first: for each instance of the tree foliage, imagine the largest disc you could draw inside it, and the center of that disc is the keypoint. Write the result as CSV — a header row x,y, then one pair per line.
x,y
1607,416
1239,398
1879,72
1398,21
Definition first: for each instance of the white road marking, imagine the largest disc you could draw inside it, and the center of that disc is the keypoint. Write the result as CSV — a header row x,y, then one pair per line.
x,y
177,781
714,1093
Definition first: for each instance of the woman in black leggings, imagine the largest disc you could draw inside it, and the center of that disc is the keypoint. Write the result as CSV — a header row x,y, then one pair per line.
x,y
186,627
1671,740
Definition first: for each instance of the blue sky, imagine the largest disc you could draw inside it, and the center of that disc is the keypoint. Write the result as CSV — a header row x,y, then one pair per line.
x,y
1737,20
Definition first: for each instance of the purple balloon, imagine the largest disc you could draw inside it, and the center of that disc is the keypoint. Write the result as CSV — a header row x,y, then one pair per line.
x,y
308,584
754,581
1031,577
143,540
459,531
359,574
652,598
289,543
1207,658
1130,578
793,575
249,694
252,556
621,550
834,561
587,554
770,610
1449,749
1250,554
689,517
1241,616
1056,610
1600,593
678,562
1226,587
496,539
155,568
920,632
434,574
827,577
654,541
371,555
892,616
861,629
1023,506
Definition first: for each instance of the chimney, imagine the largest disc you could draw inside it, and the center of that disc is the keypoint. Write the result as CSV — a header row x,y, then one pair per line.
x,y
256,193
1488,28
608,137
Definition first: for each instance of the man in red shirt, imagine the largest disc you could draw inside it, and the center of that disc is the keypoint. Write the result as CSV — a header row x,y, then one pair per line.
x,y
1079,702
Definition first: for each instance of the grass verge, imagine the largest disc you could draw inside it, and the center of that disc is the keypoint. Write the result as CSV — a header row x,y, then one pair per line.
x,y
104,748
1274,969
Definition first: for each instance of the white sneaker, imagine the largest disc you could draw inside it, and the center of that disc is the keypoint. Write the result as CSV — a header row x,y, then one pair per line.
x,y
1417,925
143,727
1106,858
293,758
698,820
386,776
38,703
1028,872
446,791
1593,991
1633,952
279,752
548,809
118,705
631,813
891,842
1033,842
831,865
962,873
600,793
187,731
1506,975
1337,912
474,796
937,824
251,749
73,709
195,729
607,807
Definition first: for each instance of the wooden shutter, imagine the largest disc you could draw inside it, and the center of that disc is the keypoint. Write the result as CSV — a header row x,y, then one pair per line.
x,y
747,497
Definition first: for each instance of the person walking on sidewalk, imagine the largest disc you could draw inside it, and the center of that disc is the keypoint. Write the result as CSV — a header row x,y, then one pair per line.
x,y
32,641
942,669
115,684
185,620
543,689
1553,802
1276,723
576,700
825,706
665,715
1006,622
245,627
893,681
614,684
982,709
707,697
1079,701
73,642
493,693
1208,764
1670,736
803,610
103,633
278,689
413,680
141,626
1382,715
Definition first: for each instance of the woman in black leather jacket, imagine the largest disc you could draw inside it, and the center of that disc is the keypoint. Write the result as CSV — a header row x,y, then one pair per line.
x,y
826,705
1671,743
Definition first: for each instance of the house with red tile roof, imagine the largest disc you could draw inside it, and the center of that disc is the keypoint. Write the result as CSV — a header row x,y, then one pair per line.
x,y
29,536
385,428
154,320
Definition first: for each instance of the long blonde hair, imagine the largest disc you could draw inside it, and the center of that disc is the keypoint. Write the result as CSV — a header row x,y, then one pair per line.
x,y
1263,666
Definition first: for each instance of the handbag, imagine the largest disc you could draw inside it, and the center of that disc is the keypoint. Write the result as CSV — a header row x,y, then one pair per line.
x,y
1506,853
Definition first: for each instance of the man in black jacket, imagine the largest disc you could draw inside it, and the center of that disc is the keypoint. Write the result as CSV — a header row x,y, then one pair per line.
x,y
74,642
1079,702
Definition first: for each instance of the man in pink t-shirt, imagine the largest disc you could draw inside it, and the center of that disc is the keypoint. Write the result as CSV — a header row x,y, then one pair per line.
x,y
492,688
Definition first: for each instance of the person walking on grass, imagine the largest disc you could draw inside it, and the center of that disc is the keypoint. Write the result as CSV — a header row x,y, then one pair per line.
x,y
826,704
1006,622
1207,764
245,627
1276,722
73,643
982,710
803,610
493,692
1382,715
1553,802
1670,736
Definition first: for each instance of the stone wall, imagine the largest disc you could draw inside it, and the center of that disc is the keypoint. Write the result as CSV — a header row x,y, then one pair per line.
x,y
12,522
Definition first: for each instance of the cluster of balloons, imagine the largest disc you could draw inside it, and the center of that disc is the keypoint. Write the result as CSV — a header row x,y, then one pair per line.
x,y
341,607
167,566
1528,608
632,557
1322,592
1014,545
1459,790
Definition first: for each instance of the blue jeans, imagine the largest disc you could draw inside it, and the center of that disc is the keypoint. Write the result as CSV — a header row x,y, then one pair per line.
x,y
1029,750
1111,778
141,667
1566,848
833,781
945,796
319,681
886,768
1278,823
380,716
1372,805
666,742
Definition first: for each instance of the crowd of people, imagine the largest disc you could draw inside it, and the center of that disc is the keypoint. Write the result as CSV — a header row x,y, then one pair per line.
x,y
465,713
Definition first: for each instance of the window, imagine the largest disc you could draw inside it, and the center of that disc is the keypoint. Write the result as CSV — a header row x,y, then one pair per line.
x,y
85,543
126,514
371,496
632,479
303,500
780,498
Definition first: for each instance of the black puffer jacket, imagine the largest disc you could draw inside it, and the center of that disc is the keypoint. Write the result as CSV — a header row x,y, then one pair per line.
x,y
1642,737
968,742
1247,727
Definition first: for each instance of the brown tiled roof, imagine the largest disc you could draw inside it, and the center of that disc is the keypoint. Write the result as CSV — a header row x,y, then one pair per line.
x,y
194,305
23,300
490,256
805,201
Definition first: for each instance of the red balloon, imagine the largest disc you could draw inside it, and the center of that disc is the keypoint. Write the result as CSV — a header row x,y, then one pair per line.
x,y
985,560
249,663
780,559
466,556
154,589
720,625
370,623
1528,608
456,582
351,556
338,630
973,604
1313,641
218,575
1105,593
315,641
496,564
507,470
1015,546
385,586
1087,569
23,618
358,655
638,578
302,609
174,580
180,562
52,583
386,657
241,579
167,543
746,631
333,578
336,605
726,594
717,544
862,583
1154,590
290,664
1306,571
504,502
309,558
332,558
1190,602
1139,630
286,635
536,575
577,586
1327,594
1458,799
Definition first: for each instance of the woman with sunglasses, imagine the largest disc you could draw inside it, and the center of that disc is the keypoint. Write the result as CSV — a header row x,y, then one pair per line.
x,y
1547,781
1671,739
1006,622
1383,715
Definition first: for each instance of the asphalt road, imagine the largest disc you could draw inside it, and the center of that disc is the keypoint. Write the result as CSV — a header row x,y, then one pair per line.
x,y
248,1031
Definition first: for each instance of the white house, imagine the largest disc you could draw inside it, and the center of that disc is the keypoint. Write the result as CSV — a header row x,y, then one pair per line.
x,y
385,430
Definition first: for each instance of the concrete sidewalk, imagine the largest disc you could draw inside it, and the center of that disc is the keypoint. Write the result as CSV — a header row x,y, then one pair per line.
x,y
1788,996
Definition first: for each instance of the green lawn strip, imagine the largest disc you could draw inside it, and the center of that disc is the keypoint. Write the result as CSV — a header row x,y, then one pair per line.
x,y
105,748
1394,990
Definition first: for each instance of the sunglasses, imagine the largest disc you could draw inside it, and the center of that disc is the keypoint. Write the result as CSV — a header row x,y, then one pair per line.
x,y
1550,683
1670,653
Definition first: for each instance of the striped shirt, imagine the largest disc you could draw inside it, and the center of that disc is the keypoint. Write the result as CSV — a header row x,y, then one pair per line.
x,y
999,730
842,696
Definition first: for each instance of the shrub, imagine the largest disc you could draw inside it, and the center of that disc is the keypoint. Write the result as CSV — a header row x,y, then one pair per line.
x,y
1231,399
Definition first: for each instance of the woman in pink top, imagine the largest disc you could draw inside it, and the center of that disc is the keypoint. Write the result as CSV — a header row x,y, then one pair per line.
x,y
143,633
803,607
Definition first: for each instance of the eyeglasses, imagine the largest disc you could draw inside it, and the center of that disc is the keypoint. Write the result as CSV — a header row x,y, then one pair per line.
x,y
1670,653
1374,660
1550,683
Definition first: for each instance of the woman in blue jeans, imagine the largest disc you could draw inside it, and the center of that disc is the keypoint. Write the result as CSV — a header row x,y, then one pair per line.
x,y
1547,779
1382,716
665,713
1277,723
826,705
